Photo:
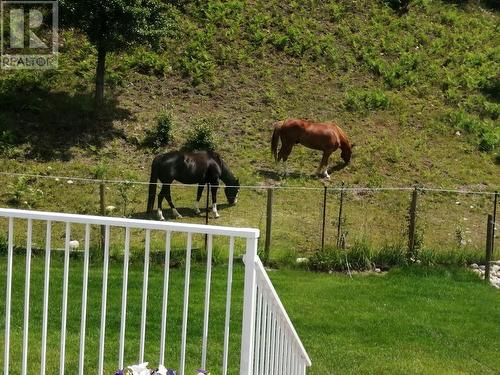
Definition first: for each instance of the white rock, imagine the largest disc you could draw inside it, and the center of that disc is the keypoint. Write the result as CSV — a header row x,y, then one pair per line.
x,y
74,244
482,268
377,270
110,208
474,266
302,260
70,182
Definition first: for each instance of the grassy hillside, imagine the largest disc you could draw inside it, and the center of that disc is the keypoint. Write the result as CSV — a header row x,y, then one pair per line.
x,y
418,92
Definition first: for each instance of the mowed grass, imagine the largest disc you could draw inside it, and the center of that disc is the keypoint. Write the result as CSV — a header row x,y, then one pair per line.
x,y
412,321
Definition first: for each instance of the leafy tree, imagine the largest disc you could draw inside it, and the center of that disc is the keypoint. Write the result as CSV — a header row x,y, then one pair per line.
x,y
114,25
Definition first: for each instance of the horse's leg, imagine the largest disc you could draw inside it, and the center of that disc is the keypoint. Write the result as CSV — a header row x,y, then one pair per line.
x,y
161,195
169,200
284,153
323,166
214,199
198,197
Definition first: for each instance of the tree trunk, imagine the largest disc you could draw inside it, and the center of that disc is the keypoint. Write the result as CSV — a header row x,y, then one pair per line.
x,y
99,77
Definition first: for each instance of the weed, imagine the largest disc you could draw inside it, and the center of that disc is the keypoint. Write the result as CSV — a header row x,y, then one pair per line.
x,y
23,193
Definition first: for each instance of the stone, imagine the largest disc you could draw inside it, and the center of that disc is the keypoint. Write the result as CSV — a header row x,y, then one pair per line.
x,y
377,270
474,266
74,244
302,260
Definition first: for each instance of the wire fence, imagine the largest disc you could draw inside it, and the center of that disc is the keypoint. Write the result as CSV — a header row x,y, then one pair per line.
x,y
294,221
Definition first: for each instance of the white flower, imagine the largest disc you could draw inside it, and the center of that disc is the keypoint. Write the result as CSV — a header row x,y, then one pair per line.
x,y
141,369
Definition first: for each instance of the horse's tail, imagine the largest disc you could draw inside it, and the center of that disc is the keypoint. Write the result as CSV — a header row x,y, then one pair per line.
x,y
152,186
275,139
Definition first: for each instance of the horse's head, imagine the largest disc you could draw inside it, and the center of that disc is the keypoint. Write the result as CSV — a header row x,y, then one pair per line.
x,y
232,192
347,153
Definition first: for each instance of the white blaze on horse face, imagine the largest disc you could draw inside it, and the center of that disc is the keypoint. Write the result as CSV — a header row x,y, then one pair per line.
x,y
176,213
197,207
214,210
160,215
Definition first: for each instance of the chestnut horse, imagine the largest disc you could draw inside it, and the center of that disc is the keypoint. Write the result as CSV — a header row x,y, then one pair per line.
x,y
323,136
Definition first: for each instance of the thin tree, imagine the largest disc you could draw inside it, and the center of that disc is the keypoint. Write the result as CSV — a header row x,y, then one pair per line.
x,y
114,25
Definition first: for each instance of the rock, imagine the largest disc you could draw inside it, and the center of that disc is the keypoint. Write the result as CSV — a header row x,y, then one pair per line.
x,y
482,268
302,260
474,266
74,244
110,209
377,270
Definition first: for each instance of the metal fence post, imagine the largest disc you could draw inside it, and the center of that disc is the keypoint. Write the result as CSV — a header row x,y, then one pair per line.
x,y
249,297
412,223
339,223
269,222
489,247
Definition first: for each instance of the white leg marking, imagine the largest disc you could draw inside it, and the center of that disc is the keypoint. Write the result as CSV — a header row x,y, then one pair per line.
x,y
214,210
176,213
160,215
197,208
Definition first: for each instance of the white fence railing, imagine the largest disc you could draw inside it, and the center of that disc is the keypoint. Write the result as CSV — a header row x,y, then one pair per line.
x,y
269,343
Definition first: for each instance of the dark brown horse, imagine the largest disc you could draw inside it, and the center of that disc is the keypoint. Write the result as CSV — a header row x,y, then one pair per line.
x,y
196,167
323,136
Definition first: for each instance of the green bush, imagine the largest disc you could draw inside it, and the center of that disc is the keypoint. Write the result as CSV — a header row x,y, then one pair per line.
x,y
147,62
487,133
163,130
201,137
366,100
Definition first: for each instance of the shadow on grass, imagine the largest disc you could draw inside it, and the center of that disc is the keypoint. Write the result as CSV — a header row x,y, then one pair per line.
x,y
186,212
274,175
48,124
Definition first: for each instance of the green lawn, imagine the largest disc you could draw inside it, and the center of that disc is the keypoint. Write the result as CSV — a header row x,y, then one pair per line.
x,y
415,321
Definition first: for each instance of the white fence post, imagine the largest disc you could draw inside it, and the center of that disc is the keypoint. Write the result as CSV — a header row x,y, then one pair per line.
x,y
248,329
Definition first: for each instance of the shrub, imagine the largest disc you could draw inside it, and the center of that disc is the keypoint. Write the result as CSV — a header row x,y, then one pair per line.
x,y
366,100
163,131
486,131
201,136
146,62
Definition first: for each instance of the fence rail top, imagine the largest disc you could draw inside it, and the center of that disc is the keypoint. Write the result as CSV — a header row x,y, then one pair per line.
x,y
130,223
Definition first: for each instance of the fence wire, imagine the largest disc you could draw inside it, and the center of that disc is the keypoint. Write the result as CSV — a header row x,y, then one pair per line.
x,y
447,219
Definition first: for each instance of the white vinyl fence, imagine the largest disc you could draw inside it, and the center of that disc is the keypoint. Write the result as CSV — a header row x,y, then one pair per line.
x,y
269,342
